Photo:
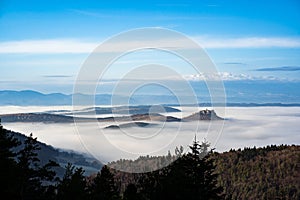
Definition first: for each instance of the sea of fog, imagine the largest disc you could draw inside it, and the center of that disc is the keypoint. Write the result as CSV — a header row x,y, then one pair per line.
x,y
243,127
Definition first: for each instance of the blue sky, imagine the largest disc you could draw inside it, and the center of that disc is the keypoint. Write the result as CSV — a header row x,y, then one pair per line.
x,y
44,43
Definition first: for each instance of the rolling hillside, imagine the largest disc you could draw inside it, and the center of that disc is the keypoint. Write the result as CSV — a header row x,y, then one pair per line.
x,y
63,157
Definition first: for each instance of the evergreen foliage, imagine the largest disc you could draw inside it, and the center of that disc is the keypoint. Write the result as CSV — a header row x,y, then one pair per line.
x,y
8,165
22,176
73,185
103,186
270,172
189,177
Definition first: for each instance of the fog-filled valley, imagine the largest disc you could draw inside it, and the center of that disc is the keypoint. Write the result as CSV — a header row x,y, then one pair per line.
x,y
242,127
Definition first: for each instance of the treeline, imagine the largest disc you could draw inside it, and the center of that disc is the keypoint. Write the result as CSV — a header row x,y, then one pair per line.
x,y
190,176
146,163
271,172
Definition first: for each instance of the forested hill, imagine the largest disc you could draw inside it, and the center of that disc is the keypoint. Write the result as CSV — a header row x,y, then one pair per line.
x,y
271,172
62,157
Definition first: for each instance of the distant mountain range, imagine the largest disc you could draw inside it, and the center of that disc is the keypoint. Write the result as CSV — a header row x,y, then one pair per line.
x,y
127,110
36,117
34,98
29,97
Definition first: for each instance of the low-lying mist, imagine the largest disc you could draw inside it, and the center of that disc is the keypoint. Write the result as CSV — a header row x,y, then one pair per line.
x,y
243,127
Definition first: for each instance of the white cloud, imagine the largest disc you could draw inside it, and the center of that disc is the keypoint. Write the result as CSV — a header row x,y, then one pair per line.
x,y
79,46
248,42
219,76
227,76
47,46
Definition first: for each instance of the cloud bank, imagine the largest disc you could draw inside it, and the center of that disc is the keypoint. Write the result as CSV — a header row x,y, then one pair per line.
x,y
81,46
283,68
244,127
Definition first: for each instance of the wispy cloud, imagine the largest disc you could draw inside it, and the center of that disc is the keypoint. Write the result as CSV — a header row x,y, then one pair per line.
x,y
249,42
47,46
234,63
80,46
283,68
92,13
57,76
227,76
218,76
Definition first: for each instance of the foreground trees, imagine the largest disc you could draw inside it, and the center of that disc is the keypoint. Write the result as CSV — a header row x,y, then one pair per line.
x,y
73,184
8,165
191,176
103,186
22,176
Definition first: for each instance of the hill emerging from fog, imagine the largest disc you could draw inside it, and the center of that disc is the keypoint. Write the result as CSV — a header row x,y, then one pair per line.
x,y
155,117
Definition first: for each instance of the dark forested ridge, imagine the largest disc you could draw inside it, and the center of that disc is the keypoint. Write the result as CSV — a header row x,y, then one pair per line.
x,y
270,172
62,157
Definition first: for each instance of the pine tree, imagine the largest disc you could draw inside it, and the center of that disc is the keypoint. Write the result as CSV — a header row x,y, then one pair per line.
x,y
131,193
103,186
8,164
73,184
149,184
31,175
22,177
189,177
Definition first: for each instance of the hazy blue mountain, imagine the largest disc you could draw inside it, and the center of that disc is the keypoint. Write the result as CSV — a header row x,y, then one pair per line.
x,y
36,117
240,91
29,97
128,110
33,98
